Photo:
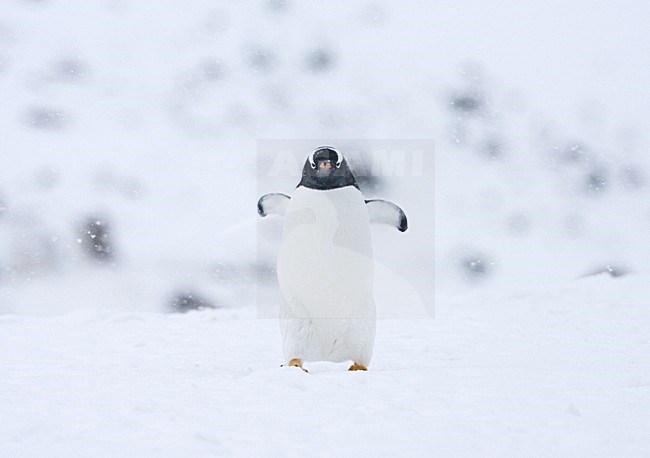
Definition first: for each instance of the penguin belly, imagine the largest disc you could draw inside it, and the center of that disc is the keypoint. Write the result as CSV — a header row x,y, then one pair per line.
x,y
325,271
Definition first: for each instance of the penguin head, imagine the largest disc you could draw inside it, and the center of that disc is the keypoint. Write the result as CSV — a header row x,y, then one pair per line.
x,y
326,168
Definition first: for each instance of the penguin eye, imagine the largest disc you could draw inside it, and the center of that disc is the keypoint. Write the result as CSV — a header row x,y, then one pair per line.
x,y
313,164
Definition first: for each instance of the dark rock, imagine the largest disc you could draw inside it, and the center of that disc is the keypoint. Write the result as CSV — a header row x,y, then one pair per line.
x,y
613,270
596,182
492,149
95,238
469,102
45,118
187,300
70,69
260,59
319,60
476,267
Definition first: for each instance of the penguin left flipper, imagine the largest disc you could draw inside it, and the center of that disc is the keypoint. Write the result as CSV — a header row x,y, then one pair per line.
x,y
273,204
384,212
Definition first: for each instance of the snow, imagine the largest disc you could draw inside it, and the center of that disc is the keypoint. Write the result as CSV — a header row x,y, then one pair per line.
x,y
560,372
164,123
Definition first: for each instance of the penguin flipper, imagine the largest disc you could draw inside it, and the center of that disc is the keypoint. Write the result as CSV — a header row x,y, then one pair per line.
x,y
384,212
273,204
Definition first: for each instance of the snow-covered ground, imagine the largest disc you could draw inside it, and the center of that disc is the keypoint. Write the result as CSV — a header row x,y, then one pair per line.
x,y
563,372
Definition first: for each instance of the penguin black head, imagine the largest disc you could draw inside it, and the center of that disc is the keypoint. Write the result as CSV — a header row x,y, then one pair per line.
x,y
326,168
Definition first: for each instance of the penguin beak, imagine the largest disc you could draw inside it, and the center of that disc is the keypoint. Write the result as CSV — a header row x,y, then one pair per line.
x,y
325,165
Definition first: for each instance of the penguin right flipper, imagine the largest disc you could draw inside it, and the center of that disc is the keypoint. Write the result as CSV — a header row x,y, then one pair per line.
x,y
273,204
382,211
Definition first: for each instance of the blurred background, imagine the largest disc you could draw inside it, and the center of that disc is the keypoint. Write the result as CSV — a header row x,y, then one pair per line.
x,y
129,145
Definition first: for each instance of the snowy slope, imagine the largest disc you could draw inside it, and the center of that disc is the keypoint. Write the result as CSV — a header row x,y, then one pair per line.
x,y
556,373
150,118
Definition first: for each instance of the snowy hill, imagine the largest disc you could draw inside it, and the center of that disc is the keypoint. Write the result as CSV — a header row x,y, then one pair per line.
x,y
149,120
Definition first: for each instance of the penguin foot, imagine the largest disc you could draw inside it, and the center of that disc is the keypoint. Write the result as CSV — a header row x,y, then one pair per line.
x,y
296,363
358,367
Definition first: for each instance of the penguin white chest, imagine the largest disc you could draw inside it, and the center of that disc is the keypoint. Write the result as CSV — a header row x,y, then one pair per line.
x,y
325,271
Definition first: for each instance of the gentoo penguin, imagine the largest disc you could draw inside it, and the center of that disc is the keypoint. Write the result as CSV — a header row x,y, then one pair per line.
x,y
325,264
